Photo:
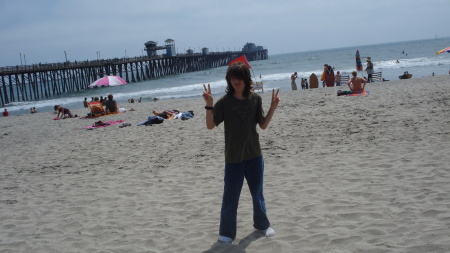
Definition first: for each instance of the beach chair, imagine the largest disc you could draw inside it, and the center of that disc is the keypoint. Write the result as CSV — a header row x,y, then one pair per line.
x,y
377,77
96,109
258,86
344,80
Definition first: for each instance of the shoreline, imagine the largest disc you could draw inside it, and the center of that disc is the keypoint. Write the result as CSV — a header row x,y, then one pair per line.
x,y
47,109
347,174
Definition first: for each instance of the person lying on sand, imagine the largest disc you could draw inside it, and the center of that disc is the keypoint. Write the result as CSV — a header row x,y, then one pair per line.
x,y
166,114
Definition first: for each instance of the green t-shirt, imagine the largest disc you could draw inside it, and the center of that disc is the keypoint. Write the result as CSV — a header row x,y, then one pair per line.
x,y
240,118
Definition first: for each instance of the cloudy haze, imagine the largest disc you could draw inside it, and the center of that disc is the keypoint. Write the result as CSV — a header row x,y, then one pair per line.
x,y
40,31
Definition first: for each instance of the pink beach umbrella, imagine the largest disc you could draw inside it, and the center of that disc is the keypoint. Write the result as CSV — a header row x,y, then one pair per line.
x,y
108,81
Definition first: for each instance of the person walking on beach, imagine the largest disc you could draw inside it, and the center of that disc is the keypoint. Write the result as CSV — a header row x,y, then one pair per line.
x,y
240,110
356,84
293,84
369,69
5,113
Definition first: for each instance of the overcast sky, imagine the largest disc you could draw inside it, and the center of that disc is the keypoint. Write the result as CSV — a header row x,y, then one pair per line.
x,y
41,30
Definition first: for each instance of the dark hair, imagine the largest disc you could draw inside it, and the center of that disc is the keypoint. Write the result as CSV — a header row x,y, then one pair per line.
x,y
240,71
110,97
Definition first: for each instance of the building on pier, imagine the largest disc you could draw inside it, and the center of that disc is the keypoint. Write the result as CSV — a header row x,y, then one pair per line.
x,y
152,48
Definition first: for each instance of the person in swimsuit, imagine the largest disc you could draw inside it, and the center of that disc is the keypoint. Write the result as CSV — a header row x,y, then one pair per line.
x,y
356,84
293,84
63,112
111,105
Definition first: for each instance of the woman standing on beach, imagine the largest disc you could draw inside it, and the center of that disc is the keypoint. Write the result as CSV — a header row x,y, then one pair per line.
x,y
240,110
369,69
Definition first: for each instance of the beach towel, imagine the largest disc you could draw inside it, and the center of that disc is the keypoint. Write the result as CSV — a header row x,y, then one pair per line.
x,y
100,124
348,93
152,120
185,115
90,116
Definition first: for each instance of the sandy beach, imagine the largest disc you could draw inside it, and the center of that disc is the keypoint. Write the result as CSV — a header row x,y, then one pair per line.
x,y
342,174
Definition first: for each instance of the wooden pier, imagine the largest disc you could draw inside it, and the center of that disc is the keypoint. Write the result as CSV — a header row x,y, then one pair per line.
x,y
43,81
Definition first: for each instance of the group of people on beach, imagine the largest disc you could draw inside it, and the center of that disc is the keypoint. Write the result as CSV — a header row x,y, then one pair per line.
x,y
110,107
330,79
100,99
304,82
109,104
241,111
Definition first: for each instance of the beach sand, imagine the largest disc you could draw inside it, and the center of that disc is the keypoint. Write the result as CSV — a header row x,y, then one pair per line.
x,y
342,174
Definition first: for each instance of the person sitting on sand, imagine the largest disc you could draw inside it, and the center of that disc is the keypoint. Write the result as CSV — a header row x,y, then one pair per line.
x,y
166,114
111,105
64,112
356,84
33,110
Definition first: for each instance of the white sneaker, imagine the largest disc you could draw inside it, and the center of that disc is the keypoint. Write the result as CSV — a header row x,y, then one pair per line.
x,y
226,240
269,232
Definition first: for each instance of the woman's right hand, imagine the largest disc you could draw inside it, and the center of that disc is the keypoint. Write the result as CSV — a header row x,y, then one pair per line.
x,y
207,95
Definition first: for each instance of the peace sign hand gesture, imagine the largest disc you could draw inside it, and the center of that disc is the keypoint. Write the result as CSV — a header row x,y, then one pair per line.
x,y
207,95
275,99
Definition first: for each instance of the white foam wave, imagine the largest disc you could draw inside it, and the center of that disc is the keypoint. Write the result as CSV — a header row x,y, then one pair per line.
x,y
414,62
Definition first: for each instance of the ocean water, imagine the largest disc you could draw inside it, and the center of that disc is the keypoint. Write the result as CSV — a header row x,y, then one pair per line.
x,y
417,57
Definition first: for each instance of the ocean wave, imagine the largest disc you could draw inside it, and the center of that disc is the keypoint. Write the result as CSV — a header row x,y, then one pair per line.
x,y
408,63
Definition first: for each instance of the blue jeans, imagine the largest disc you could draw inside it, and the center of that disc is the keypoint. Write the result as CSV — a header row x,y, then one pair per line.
x,y
253,171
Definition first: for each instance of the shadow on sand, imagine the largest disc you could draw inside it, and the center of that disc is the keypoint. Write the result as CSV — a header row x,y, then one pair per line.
x,y
239,248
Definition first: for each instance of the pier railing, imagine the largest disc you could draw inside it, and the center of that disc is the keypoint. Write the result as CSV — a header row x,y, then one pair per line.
x,y
43,81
